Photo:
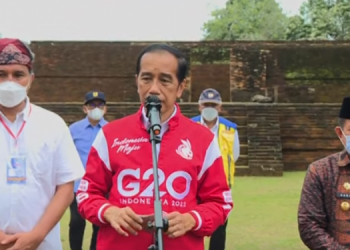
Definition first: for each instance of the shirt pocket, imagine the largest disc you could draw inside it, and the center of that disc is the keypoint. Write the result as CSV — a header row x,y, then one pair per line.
x,y
40,159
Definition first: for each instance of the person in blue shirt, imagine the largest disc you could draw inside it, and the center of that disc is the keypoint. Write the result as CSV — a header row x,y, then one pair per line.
x,y
84,133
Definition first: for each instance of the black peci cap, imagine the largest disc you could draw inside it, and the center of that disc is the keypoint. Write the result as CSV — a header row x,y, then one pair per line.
x,y
345,109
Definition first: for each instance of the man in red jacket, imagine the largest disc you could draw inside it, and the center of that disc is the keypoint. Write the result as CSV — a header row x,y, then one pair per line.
x,y
195,196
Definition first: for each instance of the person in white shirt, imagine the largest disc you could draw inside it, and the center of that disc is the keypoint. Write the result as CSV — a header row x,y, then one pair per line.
x,y
38,161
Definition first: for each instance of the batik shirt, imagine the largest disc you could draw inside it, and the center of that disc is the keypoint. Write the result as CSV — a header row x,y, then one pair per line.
x,y
324,209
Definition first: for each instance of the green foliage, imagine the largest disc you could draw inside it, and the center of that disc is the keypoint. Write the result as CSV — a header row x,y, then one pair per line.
x,y
210,55
247,20
264,20
321,20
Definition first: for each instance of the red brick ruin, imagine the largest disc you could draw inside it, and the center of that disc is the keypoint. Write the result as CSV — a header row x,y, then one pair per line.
x,y
306,82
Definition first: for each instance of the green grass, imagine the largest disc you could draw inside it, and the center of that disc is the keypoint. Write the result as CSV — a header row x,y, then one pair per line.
x,y
264,216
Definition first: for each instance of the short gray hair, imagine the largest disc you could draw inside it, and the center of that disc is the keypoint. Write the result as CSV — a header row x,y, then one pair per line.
x,y
341,122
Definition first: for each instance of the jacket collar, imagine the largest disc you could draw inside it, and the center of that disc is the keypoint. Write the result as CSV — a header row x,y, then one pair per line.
x,y
170,124
343,159
100,124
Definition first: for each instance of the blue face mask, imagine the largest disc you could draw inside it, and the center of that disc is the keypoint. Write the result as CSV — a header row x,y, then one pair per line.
x,y
347,143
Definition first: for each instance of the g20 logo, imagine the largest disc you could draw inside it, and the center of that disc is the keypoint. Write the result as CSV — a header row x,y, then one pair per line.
x,y
135,189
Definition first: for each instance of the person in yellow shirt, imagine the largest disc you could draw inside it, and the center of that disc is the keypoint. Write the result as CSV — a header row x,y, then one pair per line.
x,y
226,131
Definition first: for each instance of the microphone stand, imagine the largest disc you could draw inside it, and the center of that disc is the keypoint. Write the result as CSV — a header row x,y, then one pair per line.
x,y
160,224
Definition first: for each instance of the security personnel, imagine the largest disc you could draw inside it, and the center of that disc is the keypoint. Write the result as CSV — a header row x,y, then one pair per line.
x,y
226,131
84,133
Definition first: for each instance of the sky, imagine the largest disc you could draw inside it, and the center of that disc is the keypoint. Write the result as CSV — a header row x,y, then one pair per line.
x,y
111,20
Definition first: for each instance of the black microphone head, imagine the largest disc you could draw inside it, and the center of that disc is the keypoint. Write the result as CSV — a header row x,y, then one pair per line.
x,y
152,101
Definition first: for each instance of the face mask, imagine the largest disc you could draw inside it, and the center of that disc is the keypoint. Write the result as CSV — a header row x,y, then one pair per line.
x,y
12,94
96,114
209,113
347,143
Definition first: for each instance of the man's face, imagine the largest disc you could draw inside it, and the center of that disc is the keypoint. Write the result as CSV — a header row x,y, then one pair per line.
x,y
95,104
342,132
212,105
158,76
16,73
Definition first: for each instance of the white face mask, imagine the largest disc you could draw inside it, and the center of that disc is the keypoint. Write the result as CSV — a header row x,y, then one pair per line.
x,y
347,143
209,113
96,114
12,94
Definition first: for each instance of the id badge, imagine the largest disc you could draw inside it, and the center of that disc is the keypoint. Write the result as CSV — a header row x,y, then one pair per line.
x,y
16,170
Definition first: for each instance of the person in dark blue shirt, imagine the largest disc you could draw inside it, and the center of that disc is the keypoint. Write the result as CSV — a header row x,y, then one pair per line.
x,y
84,133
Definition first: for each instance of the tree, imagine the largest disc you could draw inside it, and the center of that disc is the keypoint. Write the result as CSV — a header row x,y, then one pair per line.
x,y
247,20
321,19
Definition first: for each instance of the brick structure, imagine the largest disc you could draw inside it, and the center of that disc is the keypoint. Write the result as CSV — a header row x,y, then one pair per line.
x,y
274,137
283,136
299,72
210,76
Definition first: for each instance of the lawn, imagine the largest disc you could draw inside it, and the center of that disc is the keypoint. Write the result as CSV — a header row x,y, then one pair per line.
x,y
264,216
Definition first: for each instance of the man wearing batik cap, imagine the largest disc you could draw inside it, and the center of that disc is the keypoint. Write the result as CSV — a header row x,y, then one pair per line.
x,y
38,159
226,131
324,208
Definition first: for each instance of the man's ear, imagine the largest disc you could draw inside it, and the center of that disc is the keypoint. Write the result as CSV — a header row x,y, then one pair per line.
x,y
338,131
181,88
84,109
220,108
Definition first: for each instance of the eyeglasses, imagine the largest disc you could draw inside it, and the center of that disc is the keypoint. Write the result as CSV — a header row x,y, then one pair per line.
x,y
96,105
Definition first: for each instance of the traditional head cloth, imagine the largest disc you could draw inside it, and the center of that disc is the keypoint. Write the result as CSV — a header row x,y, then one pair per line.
x,y
14,51
345,109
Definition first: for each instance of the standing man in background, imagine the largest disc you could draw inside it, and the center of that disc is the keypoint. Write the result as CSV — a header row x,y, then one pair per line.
x,y
38,160
84,133
227,135
323,215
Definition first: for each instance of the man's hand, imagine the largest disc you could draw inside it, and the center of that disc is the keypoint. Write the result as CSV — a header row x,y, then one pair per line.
x,y
123,219
3,246
22,241
179,224
6,247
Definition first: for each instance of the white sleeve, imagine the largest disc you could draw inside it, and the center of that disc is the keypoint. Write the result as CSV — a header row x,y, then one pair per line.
x,y
236,147
67,162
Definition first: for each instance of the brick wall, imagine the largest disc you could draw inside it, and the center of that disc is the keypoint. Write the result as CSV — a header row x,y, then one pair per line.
x,y
273,137
302,72
66,71
307,133
210,76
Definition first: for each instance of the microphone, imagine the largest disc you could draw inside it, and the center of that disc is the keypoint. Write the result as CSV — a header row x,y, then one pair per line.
x,y
153,106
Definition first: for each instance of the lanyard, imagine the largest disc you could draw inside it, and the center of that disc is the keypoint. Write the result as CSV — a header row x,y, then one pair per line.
x,y
20,129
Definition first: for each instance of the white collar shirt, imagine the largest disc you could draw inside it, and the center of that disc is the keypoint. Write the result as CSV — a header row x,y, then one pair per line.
x,y
164,125
51,160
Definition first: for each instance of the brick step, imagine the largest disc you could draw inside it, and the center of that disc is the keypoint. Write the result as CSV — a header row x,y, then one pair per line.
x,y
262,133
242,166
258,161
242,160
264,149
256,123
264,138
262,144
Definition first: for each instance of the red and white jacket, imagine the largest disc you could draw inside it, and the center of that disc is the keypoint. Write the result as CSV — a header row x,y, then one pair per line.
x,y
191,179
